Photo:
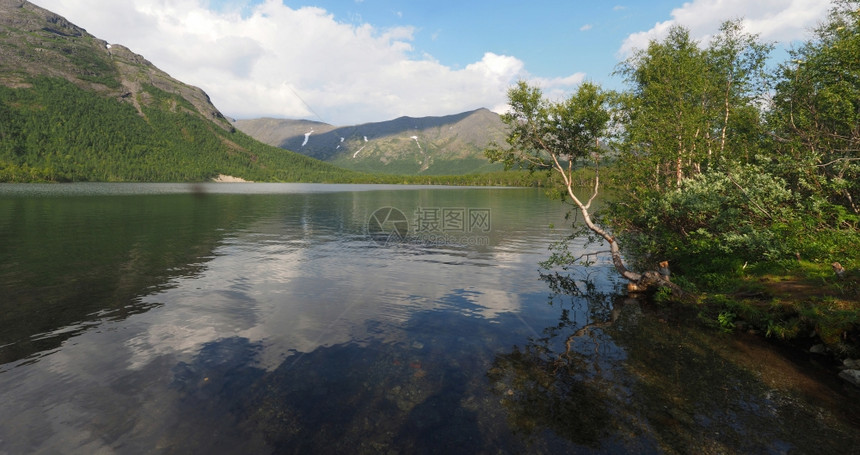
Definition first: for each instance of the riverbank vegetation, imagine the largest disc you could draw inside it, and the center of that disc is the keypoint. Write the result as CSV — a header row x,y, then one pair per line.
x,y
741,179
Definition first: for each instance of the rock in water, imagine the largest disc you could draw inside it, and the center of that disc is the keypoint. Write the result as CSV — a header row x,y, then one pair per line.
x,y
852,376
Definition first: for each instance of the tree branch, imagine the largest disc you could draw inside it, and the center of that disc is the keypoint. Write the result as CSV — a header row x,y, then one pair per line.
x,y
837,160
754,203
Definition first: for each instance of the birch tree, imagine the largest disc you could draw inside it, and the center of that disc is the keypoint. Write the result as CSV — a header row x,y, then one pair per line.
x,y
689,106
559,137
816,112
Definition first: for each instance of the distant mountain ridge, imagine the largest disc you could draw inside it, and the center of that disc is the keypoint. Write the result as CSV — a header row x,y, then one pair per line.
x,y
451,144
73,107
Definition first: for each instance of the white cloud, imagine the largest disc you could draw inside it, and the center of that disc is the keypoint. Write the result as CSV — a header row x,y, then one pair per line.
x,y
558,88
272,60
558,83
774,20
585,28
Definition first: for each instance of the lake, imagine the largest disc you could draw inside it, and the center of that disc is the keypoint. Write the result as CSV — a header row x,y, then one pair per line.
x,y
296,318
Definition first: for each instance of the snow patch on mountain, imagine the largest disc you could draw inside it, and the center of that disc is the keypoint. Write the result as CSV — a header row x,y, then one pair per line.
x,y
307,137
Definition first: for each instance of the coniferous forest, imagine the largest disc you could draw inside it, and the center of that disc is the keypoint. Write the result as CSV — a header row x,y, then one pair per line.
x,y
56,131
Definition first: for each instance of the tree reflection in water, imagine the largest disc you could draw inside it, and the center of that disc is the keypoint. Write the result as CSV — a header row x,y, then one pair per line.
x,y
607,378
560,381
614,379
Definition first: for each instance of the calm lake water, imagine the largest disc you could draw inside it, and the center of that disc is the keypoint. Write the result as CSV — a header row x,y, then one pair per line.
x,y
288,318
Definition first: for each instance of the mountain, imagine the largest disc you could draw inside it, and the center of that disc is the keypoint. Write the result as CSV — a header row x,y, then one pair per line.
x,y
451,144
74,107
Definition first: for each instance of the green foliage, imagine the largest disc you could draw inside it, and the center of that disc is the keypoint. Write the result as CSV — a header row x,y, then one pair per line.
x,y
726,319
723,185
719,315
93,67
663,295
545,135
816,112
717,215
689,107
665,108
55,131
717,223
556,136
710,186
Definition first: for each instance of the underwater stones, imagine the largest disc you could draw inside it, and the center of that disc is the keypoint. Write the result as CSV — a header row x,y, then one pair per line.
x,y
818,349
851,371
851,376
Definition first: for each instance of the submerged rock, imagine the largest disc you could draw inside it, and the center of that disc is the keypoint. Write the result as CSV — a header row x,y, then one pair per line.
x,y
852,376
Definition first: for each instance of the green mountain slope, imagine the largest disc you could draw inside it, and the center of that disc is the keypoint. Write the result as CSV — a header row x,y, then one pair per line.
x,y
73,107
451,144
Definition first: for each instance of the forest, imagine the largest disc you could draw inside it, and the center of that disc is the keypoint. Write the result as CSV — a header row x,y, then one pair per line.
x,y
55,131
734,183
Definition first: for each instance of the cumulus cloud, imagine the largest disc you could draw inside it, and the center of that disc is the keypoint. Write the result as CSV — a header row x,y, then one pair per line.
x,y
772,20
273,60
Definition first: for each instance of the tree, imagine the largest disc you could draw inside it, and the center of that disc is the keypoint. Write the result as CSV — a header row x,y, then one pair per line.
x,y
816,111
558,136
737,69
691,107
667,110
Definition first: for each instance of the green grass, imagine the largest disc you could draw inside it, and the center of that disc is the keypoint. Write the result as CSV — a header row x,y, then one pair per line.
x,y
795,301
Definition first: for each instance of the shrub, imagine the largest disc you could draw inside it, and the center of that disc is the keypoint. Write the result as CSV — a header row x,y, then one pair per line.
x,y
719,222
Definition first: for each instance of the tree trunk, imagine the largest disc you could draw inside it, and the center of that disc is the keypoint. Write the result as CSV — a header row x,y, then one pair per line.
x,y
638,282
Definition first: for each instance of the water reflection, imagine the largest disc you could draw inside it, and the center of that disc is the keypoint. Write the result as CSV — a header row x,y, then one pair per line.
x,y
71,263
268,323
565,379
420,395
618,375
221,300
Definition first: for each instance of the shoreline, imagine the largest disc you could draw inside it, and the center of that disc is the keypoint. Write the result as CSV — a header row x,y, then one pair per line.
x,y
223,178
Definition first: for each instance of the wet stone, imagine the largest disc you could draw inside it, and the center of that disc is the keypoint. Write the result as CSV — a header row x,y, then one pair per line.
x,y
851,376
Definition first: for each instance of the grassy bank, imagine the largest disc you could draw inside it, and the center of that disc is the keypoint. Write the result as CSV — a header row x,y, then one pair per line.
x,y
802,303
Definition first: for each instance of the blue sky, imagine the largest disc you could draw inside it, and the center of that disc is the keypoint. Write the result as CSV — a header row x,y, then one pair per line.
x,y
552,38
354,61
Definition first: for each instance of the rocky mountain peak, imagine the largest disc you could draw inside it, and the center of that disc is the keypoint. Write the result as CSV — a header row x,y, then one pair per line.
x,y
451,144
37,42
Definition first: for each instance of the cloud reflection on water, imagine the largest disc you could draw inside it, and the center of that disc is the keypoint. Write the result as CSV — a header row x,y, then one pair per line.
x,y
291,276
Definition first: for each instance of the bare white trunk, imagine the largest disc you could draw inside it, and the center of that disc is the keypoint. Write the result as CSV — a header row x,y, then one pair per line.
x,y
637,281
614,250
725,120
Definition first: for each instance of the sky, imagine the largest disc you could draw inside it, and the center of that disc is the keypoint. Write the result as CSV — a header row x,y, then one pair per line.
x,y
347,62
